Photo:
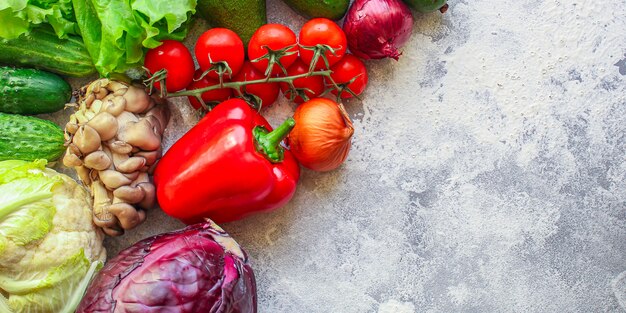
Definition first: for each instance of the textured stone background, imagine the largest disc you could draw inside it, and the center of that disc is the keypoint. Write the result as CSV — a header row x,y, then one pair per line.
x,y
488,173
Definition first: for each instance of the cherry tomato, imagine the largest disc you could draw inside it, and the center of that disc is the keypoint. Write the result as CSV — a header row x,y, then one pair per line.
x,y
325,32
220,45
345,70
216,95
267,92
275,37
174,57
314,83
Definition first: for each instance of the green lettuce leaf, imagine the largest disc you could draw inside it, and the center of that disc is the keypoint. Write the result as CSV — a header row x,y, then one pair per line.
x,y
19,16
117,33
162,20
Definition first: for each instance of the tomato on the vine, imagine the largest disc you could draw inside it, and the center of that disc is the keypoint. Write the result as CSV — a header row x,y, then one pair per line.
x,y
216,95
313,86
279,39
322,31
347,69
176,59
267,92
217,46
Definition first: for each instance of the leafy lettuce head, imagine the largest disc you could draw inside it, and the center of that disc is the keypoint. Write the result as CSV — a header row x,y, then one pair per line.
x,y
49,247
19,16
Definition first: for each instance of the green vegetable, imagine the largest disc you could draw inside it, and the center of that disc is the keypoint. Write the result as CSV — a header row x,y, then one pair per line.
x,y
426,6
118,32
241,16
30,91
49,247
42,49
19,16
29,138
332,9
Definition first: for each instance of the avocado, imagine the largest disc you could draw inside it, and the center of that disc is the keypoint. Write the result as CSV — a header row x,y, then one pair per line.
x,y
426,6
241,16
331,9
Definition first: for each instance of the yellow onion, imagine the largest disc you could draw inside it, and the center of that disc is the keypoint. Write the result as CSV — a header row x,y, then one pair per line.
x,y
321,138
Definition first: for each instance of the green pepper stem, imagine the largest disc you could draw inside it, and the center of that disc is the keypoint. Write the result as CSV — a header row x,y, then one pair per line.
x,y
268,143
280,133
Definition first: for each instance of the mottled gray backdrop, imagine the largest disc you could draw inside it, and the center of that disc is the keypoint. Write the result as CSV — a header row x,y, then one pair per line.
x,y
488,173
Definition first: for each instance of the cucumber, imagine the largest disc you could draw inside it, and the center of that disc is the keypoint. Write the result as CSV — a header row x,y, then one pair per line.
x,y
331,9
243,17
42,49
29,138
30,91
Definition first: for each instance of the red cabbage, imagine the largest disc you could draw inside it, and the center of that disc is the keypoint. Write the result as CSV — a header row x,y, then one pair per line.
x,y
196,269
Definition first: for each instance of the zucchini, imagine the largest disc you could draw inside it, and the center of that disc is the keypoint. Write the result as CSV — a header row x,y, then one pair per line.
x,y
29,138
30,91
331,9
243,17
42,49
427,6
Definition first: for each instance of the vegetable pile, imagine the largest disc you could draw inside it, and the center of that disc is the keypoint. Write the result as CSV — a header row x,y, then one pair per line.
x,y
230,165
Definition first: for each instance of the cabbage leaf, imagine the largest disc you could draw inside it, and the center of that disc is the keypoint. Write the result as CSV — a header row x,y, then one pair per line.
x,y
26,202
49,247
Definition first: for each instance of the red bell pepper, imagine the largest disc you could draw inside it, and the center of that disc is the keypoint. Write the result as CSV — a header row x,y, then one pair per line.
x,y
229,165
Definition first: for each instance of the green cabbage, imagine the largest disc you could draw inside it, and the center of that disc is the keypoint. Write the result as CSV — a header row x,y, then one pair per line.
x,y
117,32
49,247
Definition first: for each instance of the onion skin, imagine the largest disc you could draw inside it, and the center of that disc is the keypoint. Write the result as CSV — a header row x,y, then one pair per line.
x,y
320,141
376,29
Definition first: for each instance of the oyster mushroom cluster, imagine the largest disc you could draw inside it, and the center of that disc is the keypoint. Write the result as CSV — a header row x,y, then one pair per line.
x,y
113,141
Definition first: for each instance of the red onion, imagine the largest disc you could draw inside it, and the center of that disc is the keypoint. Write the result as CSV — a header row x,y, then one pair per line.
x,y
377,28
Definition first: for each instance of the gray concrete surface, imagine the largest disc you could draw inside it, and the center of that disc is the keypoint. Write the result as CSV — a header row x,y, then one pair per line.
x,y
488,173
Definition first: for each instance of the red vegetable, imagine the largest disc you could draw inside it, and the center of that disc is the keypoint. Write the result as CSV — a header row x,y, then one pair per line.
x,y
217,95
349,73
226,167
266,92
317,37
219,49
311,86
376,29
174,57
197,269
282,44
